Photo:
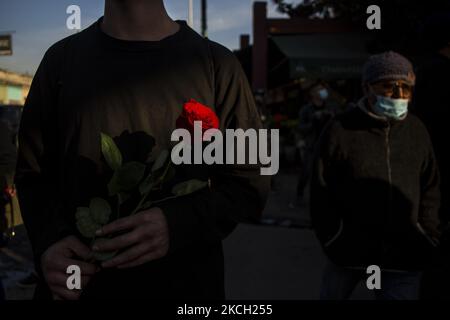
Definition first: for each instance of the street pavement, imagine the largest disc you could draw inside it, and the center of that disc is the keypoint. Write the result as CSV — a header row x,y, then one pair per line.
x,y
277,259
280,259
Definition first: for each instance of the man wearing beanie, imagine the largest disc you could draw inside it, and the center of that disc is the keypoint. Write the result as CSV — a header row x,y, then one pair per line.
x,y
375,189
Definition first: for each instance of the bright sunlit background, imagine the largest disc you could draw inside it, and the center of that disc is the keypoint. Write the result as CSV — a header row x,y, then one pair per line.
x,y
39,24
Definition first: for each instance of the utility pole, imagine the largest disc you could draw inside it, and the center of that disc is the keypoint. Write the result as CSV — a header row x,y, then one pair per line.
x,y
191,14
204,19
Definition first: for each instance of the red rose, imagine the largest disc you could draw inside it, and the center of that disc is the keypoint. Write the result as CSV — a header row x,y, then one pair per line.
x,y
195,111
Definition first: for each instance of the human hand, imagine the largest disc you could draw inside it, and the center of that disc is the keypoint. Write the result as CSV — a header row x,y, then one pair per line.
x,y
147,239
56,259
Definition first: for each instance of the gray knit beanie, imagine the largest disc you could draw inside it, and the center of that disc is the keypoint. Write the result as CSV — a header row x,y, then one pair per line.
x,y
388,65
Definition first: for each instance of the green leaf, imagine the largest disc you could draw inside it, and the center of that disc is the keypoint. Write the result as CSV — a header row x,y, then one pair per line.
x,y
100,210
103,256
126,177
85,223
124,197
146,205
113,186
188,187
82,213
161,160
170,174
156,175
146,185
111,152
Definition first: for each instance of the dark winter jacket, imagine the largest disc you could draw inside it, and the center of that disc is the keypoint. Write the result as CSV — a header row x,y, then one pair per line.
x,y
134,91
375,192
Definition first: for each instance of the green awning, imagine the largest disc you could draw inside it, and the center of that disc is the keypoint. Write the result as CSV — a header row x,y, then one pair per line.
x,y
326,56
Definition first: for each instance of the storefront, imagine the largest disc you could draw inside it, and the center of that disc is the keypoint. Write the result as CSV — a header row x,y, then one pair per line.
x,y
14,88
289,55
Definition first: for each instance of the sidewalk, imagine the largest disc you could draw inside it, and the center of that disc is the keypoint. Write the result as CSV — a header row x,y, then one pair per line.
x,y
15,264
272,263
279,259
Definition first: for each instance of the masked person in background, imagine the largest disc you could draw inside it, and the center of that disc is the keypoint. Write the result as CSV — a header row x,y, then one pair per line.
x,y
312,119
375,188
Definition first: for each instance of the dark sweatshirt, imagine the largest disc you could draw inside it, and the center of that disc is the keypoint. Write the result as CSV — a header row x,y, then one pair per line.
x,y
90,83
375,192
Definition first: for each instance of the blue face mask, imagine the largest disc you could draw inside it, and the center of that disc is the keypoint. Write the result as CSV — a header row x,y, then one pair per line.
x,y
323,94
391,108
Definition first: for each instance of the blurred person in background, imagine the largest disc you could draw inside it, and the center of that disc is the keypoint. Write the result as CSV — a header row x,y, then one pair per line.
x,y
313,117
375,188
7,164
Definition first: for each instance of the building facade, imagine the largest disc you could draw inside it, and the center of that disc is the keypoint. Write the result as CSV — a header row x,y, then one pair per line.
x,y
14,88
